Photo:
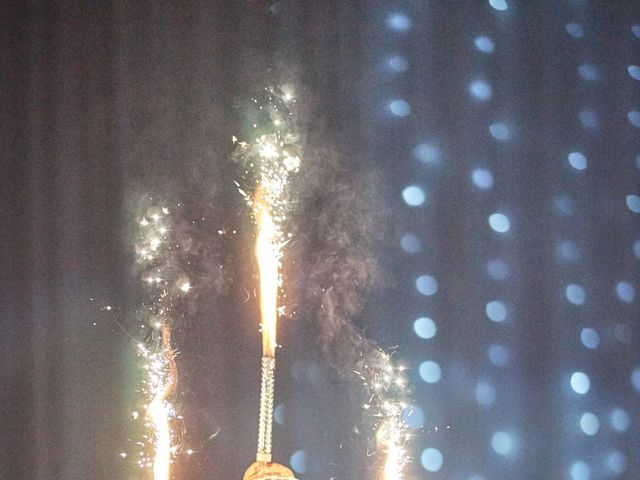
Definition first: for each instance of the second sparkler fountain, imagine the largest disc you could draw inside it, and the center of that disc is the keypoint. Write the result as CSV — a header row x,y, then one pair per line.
x,y
271,157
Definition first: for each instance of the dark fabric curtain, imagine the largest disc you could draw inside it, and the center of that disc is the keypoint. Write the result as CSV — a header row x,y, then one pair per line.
x,y
104,104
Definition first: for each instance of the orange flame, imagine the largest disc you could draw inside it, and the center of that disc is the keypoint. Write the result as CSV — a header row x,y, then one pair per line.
x,y
268,257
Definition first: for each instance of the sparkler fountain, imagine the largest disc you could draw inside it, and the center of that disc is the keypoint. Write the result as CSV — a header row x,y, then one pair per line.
x,y
270,160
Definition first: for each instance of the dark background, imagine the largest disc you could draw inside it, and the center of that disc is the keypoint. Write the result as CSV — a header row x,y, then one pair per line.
x,y
105,102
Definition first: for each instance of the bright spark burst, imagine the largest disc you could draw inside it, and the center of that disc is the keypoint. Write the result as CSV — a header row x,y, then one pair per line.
x,y
386,387
154,250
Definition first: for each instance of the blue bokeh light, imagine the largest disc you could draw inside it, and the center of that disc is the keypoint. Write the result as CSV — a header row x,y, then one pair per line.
x,y
574,29
634,71
425,328
298,461
589,72
427,153
575,294
430,372
400,107
278,414
564,206
634,118
498,355
482,178
502,443
635,29
399,22
500,5
619,420
577,160
498,269
633,202
414,196
485,394
590,338
480,90
496,311
427,285
626,292
567,250
499,131
499,222
484,44
398,63
589,424
636,248
588,118
410,243
580,383
635,379
413,416
580,471
617,462
431,459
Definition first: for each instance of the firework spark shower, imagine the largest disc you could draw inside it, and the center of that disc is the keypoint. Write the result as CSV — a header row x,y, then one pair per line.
x,y
449,208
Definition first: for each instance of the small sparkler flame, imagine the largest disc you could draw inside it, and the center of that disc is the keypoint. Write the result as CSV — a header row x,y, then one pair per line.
x,y
268,254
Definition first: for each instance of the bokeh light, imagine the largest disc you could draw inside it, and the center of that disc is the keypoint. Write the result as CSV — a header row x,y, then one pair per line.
x,y
427,153
498,355
499,131
410,243
413,416
431,459
589,72
496,311
426,285
577,160
485,394
633,202
400,107
482,178
580,383
574,29
619,420
500,5
589,424
625,292
497,269
580,471
480,90
634,118
298,461
502,443
590,338
425,328
414,196
399,22
484,44
575,294
617,462
430,371
499,222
